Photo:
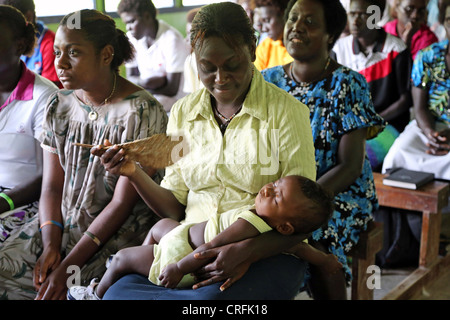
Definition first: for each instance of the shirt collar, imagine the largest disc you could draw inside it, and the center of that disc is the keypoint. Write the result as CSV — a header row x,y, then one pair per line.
x,y
378,47
24,89
253,103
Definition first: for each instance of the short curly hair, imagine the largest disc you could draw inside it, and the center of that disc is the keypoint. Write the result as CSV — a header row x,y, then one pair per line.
x,y
137,6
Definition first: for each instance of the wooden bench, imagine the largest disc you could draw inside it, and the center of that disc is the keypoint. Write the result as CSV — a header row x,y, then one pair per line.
x,y
430,200
363,256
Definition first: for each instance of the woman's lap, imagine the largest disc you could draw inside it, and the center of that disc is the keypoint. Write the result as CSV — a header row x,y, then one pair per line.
x,y
275,278
409,151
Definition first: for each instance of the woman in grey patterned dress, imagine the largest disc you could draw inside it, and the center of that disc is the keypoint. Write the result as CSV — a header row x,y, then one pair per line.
x,y
85,213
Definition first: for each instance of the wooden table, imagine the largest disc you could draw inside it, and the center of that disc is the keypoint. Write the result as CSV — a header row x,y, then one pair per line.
x,y
429,199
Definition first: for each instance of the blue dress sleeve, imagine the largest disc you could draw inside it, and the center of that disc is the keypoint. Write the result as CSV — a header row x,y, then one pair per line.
x,y
357,110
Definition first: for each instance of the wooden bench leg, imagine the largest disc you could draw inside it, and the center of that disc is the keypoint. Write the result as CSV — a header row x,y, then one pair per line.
x,y
429,242
360,290
363,256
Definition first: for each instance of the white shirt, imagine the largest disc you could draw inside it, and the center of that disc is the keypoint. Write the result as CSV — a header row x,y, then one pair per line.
x,y
191,79
166,55
20,127
348,52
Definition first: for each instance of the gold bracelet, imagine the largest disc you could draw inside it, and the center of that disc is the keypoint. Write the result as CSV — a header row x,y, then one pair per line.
x,y
93,237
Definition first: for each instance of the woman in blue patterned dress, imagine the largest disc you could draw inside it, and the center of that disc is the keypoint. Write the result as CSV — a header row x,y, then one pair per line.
x,y
425,143
342,118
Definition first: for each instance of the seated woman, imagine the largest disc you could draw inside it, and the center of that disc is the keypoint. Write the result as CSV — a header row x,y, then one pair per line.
x,y
168,259
342,118
425,143
85,213
243,133
23,95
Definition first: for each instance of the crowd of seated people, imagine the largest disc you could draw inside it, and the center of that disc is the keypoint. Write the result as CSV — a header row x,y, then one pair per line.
x,y
260,90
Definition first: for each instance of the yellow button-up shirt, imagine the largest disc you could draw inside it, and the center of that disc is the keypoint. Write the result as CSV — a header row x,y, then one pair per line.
x,y
268,139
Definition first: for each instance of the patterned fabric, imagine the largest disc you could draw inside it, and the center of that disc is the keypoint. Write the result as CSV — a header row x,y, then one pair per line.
x,y
338,104
11,221
88,188
430,73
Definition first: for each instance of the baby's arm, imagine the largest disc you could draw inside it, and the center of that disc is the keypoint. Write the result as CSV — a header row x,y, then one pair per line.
x,y
238,231
327,261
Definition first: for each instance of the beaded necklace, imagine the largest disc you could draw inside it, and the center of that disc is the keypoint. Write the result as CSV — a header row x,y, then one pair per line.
x,y
223,126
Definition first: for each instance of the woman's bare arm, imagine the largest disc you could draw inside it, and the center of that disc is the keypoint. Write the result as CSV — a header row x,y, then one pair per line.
x,y
351,153
159,199
231,261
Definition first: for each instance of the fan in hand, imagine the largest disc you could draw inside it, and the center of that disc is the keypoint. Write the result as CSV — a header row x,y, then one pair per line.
x,y
158,151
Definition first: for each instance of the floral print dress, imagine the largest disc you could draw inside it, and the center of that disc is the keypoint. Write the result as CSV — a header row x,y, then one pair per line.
x,y
88,187
338,104
430,73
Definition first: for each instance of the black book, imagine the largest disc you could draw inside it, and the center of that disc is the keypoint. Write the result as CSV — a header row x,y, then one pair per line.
x,y
408,179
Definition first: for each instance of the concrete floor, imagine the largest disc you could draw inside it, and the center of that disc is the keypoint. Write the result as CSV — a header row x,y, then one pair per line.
x,y
439,290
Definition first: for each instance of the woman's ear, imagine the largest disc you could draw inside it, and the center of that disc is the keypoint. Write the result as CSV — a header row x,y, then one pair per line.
x,y
107,54
285,229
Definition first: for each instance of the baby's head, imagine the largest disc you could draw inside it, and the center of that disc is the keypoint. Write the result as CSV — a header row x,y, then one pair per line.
x,y
294,204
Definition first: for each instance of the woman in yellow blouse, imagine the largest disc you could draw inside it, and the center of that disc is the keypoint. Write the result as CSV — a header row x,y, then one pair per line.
x,y
243,133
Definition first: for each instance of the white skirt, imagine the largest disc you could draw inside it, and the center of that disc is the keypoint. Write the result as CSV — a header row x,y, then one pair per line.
x,y
409,151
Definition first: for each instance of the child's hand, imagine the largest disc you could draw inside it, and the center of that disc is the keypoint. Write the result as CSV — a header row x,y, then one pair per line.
x,y
331,264
170,276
